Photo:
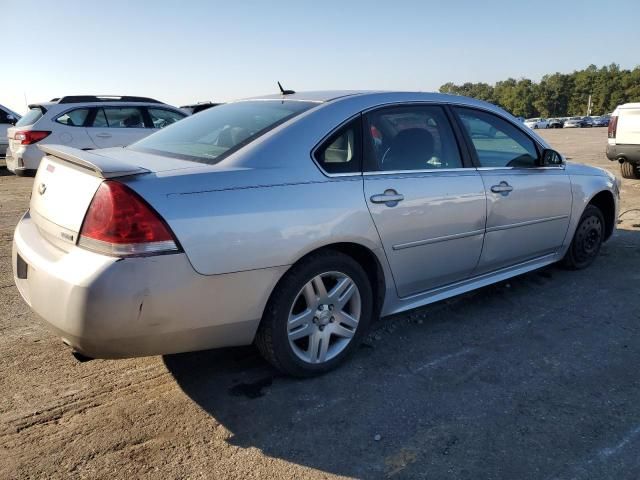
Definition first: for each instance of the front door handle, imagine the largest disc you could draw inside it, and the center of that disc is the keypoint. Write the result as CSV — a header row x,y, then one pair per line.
x,y
503,188
390,197
103,135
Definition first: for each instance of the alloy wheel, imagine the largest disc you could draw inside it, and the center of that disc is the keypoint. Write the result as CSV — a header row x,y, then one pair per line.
x,y
324,317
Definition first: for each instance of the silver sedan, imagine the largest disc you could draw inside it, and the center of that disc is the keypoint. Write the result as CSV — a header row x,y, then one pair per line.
x,y
293,221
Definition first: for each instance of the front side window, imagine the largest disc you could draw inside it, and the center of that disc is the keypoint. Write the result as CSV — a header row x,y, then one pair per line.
x,y
411,138
161,117
74,118
496,141
340,153
215,133
124,117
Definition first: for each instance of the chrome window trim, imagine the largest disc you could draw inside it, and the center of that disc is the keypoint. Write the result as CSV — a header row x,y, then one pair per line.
x,y
522,169
422,171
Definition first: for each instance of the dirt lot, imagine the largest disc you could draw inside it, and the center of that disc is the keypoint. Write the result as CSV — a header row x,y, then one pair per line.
x,y
533,378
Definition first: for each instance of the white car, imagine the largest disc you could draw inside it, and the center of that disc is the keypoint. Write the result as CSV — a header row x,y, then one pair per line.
x,y
8,118
623,142
536,123
84,122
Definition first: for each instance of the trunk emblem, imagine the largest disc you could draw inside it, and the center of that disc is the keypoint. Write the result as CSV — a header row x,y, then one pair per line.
x,y
42,188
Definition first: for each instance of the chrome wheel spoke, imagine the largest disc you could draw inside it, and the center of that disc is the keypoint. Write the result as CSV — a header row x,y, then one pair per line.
x,y
346,319
342,292
302,332
310,296
318,347
318,284
342,331
300,319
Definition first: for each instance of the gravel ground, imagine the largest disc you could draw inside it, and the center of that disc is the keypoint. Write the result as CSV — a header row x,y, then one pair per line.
x,y
534,378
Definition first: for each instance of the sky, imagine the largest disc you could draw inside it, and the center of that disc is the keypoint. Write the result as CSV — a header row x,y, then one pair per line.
x,y
188,51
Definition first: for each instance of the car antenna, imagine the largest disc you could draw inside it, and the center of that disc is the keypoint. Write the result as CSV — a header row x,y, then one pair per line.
x,y
285,92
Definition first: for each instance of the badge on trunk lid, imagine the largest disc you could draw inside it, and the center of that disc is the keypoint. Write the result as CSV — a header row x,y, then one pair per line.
x,y
42,188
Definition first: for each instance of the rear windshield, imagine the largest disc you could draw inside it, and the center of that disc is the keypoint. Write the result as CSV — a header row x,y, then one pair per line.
x,y
217,132
31,117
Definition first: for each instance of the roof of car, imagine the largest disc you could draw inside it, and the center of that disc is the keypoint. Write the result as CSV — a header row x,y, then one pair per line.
x,y
96,99
383,96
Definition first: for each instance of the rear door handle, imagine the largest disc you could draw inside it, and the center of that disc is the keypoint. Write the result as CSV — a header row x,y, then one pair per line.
x,y
390,197
103,135
503,188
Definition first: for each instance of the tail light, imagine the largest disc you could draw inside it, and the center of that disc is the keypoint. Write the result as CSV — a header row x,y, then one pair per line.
x,y
120,223
29,137
613,127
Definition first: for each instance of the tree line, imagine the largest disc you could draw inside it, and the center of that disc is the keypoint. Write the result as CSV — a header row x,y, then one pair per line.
x,y
559,94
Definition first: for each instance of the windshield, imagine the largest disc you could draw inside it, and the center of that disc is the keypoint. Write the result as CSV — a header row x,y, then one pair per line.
x,y
217,132
31,117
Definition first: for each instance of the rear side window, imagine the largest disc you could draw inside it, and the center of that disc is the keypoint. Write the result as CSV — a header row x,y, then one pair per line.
x,y
124,117
31,117
74,118
341,153
497,142
161,117
411,138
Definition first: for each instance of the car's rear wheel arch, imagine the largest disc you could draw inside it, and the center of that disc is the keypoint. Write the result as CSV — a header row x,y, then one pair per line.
x,y
605,202
361,254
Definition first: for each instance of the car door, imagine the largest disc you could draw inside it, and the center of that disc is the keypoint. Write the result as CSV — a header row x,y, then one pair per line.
x,y
428,208
528,204
117,126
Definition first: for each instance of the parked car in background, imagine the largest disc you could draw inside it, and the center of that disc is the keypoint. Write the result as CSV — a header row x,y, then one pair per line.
x,y
599,121
555,123
189,239
536,123
8,118
85,122
623,142
574,122
198,107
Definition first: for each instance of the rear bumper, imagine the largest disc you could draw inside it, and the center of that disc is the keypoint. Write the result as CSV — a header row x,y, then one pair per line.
x,y
629,153
24,160
105,307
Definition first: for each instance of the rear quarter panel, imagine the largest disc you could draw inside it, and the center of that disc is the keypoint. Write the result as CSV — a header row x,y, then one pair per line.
x,y
250,228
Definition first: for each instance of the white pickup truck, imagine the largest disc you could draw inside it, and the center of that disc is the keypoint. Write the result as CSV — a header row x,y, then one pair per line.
x,y
623,142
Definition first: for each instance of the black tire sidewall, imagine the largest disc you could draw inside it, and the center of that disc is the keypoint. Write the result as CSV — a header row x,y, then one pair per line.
x,y
285,294
572,258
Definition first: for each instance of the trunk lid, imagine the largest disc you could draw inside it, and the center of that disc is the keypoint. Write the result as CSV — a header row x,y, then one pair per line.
x,y
67,180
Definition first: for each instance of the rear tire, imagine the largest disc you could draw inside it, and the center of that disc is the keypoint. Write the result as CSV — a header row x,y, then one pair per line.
x,y
587,239
629,170
302,314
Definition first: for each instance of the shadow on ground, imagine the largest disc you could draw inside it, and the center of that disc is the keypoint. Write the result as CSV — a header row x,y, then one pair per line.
x,y
529,378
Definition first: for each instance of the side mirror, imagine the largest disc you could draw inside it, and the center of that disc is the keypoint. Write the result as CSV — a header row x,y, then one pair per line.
x,y
11,119
551,157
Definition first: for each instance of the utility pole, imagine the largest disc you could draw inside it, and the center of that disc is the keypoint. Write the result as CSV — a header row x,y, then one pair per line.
x,y
589,107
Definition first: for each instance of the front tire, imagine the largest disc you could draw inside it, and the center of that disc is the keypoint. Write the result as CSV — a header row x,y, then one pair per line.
x,y
629,170
587,240
317,315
